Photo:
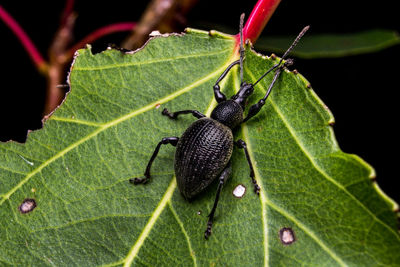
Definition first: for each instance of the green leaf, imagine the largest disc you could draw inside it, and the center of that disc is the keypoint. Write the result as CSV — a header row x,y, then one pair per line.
x,y
77,168
332,45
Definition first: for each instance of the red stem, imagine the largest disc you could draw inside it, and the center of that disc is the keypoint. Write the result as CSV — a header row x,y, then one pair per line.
x,y
112,28
27,43
258,18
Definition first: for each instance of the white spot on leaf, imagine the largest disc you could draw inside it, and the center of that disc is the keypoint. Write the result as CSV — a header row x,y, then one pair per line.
x,y
287,236
239,191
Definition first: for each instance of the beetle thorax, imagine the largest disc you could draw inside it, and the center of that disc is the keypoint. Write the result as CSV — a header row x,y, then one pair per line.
x,y
228,113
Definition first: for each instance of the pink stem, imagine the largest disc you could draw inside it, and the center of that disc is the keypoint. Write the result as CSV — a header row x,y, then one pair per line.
x,y
27,43
112,28
258,18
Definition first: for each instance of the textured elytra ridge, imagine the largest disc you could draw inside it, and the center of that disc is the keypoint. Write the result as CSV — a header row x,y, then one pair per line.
x,y
87,213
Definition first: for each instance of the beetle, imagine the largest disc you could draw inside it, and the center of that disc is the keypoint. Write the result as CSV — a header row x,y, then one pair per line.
x,y
203,152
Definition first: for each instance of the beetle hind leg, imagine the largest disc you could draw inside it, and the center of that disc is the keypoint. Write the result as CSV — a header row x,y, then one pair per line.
x,y
222,179
241,144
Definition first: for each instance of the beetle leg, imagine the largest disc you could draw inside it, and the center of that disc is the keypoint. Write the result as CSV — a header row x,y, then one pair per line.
x,y
254,109
174,115
241,144
222,179
219,96
166,140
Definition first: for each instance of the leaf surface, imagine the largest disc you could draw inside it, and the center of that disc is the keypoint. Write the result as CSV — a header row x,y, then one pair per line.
x,y
87,213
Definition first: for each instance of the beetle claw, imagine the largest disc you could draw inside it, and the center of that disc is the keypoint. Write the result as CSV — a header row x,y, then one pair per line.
x,y
170,115
256,189
207,233
137,181
165,111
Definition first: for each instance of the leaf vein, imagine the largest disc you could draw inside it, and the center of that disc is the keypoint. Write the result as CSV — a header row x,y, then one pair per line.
x,y
146,230
184,233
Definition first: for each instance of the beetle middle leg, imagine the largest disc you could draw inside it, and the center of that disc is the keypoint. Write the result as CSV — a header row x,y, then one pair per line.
x,y
174,115
254,109
166,140
222,179
241,144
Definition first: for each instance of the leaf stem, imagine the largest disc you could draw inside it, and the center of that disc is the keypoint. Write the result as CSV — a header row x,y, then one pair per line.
x,y
258,18
26,42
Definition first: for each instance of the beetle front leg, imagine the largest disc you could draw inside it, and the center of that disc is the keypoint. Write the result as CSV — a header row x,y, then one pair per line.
x,y
254,109
174,115
241,144
219,96
222,179
166,140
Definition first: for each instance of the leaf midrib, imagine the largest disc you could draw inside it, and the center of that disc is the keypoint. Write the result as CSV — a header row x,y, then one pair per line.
x,y
146,230
263,197
135,249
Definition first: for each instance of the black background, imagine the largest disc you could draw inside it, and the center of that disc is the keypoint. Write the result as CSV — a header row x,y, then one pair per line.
x,y
361,91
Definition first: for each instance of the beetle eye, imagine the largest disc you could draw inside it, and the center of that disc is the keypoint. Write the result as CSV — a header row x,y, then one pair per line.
x,y
249,91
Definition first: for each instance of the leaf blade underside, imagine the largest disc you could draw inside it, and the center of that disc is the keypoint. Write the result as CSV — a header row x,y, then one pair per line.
x,y
333,45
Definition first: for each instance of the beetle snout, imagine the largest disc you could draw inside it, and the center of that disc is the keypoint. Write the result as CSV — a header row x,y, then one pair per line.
x,y
246,89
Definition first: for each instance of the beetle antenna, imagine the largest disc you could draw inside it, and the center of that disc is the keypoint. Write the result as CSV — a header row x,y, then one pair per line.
x,y
241,51
305,29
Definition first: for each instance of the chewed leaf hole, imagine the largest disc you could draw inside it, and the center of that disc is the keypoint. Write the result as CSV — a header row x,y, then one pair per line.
x,y
28,205
239,191
286,235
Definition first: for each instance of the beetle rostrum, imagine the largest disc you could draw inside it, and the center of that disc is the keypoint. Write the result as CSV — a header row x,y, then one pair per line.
x,y
203,152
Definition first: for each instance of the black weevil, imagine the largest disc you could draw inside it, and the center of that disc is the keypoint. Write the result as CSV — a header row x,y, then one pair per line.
x,y
204,150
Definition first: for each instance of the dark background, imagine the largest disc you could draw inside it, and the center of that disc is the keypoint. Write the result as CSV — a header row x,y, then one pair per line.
x,y
361,91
